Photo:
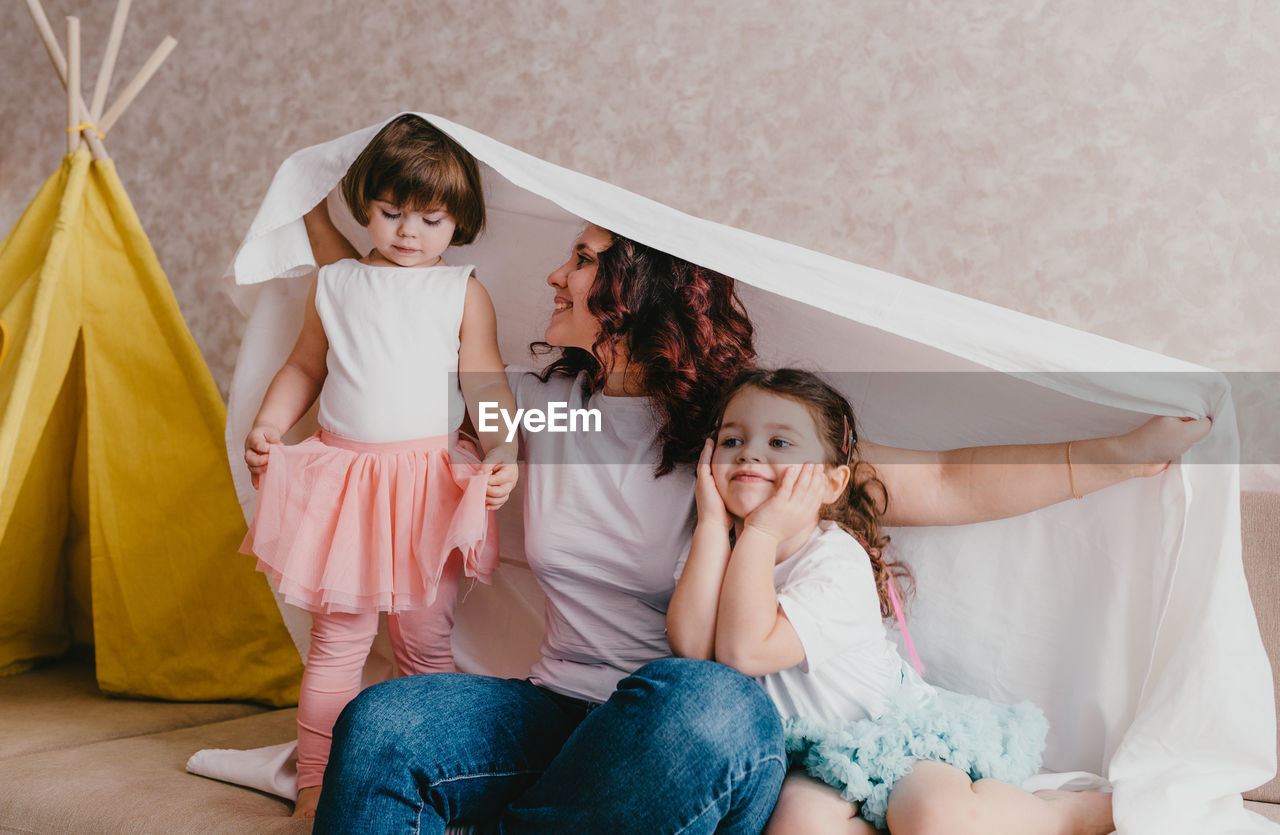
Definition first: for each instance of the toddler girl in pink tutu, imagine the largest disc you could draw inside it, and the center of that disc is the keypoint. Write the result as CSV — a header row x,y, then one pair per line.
x,y
386,507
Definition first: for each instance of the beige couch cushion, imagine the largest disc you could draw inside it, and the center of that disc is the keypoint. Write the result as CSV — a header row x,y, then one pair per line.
x,y
140,785
59,705
1260,524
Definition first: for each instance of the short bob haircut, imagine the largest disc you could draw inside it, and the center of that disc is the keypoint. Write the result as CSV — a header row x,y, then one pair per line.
x,y
414,164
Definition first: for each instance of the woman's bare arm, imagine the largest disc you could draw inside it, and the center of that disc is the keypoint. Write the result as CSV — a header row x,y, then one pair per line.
x,y
976,484
327,243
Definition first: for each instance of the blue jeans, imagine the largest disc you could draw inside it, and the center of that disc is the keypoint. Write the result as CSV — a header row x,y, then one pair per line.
x,y
681,746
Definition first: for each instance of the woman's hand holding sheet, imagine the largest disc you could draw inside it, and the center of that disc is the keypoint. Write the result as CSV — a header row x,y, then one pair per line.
x,y
1153,446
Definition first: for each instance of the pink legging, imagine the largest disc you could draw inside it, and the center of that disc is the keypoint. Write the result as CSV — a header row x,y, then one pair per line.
x,y
339,646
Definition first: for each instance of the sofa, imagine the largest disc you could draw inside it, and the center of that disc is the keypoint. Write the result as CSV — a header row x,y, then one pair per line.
x,y
75,760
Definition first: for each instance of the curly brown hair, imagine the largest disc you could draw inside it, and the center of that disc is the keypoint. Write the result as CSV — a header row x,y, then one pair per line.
x,y
683,325
858,510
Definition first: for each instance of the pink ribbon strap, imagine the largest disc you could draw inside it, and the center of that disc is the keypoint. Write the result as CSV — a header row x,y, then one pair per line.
x,y
902,624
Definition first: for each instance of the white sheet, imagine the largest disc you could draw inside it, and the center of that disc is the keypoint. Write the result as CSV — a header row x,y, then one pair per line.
x,y
1124,615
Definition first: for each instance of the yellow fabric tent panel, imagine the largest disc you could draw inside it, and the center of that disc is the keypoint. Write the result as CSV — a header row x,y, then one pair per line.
x,y
113,477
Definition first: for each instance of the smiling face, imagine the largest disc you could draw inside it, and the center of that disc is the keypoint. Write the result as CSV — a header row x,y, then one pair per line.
x,y
572,324
404,237
761,435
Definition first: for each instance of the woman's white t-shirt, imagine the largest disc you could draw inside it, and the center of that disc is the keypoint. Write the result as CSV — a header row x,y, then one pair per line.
x,y
602,534
827,590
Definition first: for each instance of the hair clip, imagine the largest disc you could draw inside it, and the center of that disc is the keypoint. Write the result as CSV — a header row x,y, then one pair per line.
x,y
848,441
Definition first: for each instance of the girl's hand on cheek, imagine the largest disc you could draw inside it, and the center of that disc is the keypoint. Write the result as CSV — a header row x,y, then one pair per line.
x,y
711,509
794,505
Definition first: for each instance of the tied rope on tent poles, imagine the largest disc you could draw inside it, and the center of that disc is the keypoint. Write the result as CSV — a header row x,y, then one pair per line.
x,y
89,124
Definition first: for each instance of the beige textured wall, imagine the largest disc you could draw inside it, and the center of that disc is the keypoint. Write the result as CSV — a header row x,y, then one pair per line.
x,y
1111,166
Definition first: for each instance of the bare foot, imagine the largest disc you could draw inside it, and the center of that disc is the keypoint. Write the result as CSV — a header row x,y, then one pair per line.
x,y
1087,813
308,800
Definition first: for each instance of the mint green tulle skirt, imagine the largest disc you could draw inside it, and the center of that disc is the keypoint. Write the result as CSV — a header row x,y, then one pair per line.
x,y
864,758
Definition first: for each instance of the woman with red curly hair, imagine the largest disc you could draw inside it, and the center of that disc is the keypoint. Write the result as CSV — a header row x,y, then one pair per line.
x,y
609,733
635,321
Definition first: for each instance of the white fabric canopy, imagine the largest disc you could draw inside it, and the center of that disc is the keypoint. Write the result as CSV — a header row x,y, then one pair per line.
x,y
1124,615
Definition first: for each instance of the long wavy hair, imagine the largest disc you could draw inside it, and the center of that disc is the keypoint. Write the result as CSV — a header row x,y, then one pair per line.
x,y
682,325
864,501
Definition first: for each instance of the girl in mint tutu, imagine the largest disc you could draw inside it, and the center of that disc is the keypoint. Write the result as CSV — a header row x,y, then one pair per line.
x,y
387,507
787,580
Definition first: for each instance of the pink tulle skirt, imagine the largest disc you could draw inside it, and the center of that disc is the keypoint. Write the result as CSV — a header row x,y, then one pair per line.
x,y
346,526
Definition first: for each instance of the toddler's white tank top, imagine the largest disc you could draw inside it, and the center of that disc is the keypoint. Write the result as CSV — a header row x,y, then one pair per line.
x,y
393,350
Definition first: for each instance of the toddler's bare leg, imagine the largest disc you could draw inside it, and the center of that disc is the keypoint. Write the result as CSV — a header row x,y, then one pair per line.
x,y
806,805
937,798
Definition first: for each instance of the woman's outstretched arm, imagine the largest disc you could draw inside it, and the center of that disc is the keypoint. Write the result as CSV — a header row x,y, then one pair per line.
x,y
976,484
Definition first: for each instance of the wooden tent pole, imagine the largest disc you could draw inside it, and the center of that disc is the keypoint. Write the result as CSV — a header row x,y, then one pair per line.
x,y
60,64
139,81
47,37
73,83
109,60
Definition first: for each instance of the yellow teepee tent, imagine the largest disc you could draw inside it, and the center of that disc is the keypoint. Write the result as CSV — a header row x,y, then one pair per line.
x,y
119,524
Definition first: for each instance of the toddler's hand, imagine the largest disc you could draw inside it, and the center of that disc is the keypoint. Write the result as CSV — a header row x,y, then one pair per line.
x,y
794,504
256,448
503,472
711,509
1153,445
